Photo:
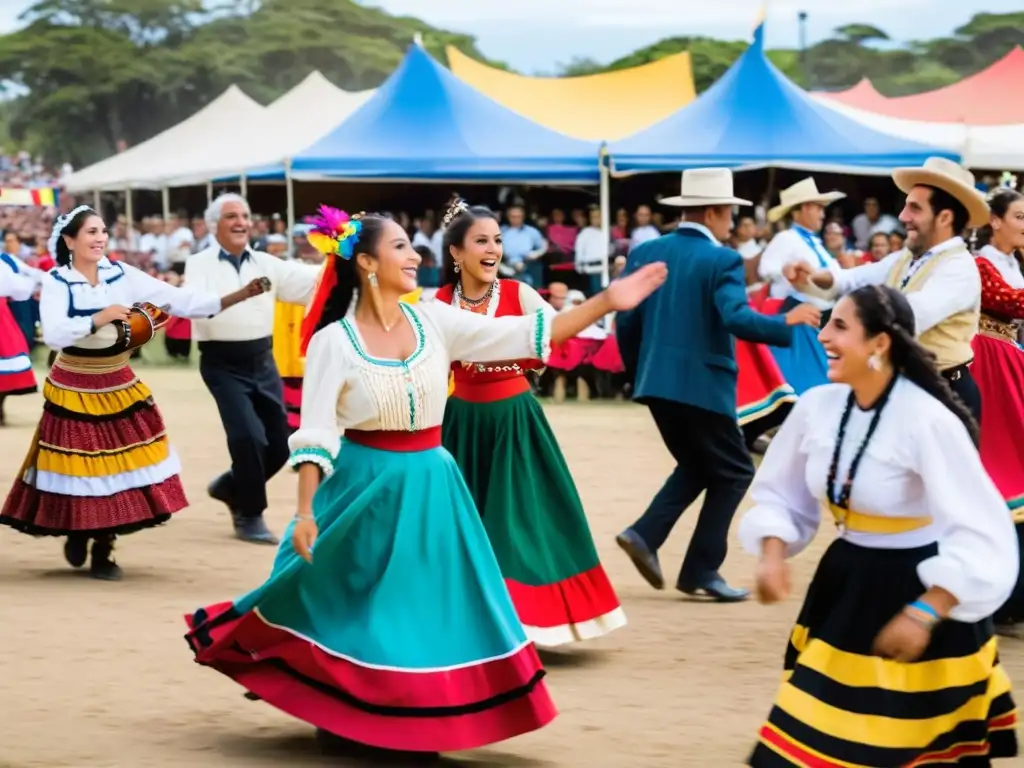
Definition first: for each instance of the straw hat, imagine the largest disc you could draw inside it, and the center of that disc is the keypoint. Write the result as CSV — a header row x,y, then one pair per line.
x,y
703,187
805,191
949,177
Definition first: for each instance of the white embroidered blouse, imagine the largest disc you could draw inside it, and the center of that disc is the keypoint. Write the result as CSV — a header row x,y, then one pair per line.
x,y
68,301
920,462
347,388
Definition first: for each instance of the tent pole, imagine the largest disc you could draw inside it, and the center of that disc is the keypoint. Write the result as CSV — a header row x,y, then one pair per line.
x,y
129,214
290,198
165,199
209,192
606,216
97,202
244,182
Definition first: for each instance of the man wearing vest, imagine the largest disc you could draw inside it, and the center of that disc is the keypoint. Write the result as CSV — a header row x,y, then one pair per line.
x,y
936,270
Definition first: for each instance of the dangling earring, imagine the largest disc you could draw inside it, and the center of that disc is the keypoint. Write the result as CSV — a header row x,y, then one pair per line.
x,y
458,267
376,300
875,362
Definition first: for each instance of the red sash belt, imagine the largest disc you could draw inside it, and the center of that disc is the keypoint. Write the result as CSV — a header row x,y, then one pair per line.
x,y
490,391
396,440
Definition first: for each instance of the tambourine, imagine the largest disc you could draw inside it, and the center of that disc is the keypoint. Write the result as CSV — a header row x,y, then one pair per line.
x,y
120,336
144,320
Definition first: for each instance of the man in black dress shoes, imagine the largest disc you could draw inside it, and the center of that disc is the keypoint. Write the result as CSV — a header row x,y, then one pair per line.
x,y
677,347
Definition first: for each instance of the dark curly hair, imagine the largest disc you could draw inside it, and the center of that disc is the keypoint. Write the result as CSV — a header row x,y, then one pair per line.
x,y
882,309
340,298
459,218
71,229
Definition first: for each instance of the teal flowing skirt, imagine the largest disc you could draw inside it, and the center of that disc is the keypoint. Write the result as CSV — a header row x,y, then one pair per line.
x,y
401,633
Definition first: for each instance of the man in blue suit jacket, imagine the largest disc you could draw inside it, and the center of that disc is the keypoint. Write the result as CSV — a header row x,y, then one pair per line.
x,y
677,347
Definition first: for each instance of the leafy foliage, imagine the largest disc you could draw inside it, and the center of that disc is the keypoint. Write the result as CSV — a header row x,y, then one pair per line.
x,y
98,72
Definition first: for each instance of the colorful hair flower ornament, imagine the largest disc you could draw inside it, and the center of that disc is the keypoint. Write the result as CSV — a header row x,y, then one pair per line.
x,y
1008,180
334,232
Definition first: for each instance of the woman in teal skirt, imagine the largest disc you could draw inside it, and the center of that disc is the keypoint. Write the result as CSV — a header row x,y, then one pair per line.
x,y
498,434
385,620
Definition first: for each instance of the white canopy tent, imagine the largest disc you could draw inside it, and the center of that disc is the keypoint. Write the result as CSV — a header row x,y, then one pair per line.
x,y
293,122
149,164
990,147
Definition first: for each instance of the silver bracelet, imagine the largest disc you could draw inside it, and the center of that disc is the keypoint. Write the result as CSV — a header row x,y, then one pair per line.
x,y
304,517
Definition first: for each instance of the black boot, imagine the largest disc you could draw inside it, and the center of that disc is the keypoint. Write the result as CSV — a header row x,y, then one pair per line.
x,y
103,566
76,549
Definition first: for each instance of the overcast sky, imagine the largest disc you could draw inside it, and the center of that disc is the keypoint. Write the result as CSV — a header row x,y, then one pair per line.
x,y
536,35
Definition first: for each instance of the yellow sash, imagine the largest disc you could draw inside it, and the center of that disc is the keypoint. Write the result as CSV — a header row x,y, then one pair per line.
x,y
858,522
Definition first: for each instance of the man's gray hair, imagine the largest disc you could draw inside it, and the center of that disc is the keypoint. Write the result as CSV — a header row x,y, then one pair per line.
x,y
216,209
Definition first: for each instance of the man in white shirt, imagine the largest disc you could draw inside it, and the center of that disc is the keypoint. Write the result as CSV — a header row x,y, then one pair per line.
x,y
644,229
936,271
430,237
864,225
179,243
591,251
237,363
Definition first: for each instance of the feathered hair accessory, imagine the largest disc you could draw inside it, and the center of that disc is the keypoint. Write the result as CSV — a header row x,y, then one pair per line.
x,y
58,226
335,234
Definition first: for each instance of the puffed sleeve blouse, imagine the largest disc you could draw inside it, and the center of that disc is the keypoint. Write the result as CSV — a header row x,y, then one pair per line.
x,y
920,462
345,387
67,301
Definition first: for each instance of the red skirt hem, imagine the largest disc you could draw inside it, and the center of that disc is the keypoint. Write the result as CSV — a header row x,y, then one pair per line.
x,y
445,710
572,353
21,383
41,513
583,597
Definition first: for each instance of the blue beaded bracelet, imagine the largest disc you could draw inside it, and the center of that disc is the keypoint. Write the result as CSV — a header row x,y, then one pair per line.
x,y
923,607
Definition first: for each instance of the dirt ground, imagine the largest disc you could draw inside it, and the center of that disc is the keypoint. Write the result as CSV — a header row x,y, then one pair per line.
x,y
96,674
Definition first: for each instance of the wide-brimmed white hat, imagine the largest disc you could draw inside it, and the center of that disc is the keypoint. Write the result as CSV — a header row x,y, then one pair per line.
x,y
703,187
805,191
949,177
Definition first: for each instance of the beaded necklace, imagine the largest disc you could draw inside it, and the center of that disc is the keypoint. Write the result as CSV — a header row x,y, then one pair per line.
x,y
842,499
475,305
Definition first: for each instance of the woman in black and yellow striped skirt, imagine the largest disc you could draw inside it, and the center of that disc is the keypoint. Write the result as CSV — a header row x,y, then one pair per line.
x,y
893,661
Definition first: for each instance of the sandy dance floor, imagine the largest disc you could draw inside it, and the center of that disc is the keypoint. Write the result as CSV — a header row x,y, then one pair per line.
x,y
95,674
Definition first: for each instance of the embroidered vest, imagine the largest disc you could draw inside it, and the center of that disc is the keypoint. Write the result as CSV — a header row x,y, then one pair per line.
x,y
949,340
485,373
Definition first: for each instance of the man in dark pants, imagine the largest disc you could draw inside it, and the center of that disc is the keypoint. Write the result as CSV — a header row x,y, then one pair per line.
x,y
936,271
237,363
677,347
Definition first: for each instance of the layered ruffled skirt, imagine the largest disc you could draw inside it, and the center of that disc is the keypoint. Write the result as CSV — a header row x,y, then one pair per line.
x,y
16,376
100,461
763,398
803,363
400,634
534,518
841,706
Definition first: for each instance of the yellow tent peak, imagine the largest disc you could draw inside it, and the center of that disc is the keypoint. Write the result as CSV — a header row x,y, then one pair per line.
x,y
604,107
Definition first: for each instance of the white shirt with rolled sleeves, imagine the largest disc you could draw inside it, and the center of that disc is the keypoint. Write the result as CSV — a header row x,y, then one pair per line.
x,y
919,463
290,281
788,247
67,301
953,286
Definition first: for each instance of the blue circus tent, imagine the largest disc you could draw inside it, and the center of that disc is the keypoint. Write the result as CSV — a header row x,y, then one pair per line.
x,y
424,124
755,117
